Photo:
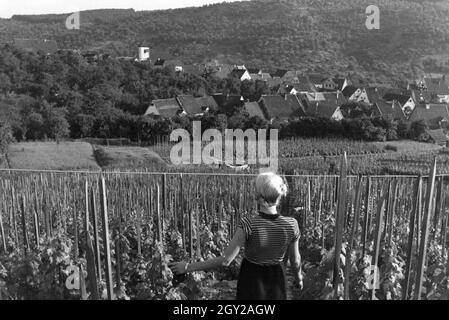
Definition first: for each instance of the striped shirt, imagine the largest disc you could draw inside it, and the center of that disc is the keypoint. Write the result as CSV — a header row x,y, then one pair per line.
x,y
268,237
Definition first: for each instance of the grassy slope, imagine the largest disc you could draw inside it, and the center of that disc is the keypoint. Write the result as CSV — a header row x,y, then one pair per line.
x,y
52,156
127,157
78,155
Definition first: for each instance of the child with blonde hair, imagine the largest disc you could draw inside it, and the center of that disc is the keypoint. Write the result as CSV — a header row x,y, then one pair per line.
x,y
266,239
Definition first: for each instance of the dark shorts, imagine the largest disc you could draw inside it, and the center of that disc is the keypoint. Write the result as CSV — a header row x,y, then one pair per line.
x,y
260,282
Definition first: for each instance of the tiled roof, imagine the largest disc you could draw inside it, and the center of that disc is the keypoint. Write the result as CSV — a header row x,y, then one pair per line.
x,y
166,108
436,85
207,102
349,91
238,73
402,99
280,73
276,106
340,82
254,110
323,104
438,136
189,104
254,70
227,101
392,109
432,114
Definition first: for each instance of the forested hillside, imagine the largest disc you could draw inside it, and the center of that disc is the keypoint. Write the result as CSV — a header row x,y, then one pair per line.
x,y
311,35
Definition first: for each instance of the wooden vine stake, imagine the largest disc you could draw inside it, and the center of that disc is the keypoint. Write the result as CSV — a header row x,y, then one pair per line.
x,y
425,232
341,207
26,243
106,243
412,224
93,210
378,236
439,207
2,233
365,230
90,256
354,229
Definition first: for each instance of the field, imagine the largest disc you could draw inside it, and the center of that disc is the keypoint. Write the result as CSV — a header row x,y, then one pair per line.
x,y
52,156
127,157
296,156
125,228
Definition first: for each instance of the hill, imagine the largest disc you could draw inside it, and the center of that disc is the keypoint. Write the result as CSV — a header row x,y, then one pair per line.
x,y
310,35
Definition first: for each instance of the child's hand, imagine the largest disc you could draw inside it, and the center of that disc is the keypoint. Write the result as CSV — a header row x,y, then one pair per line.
x,y
178,267
299,284
299,281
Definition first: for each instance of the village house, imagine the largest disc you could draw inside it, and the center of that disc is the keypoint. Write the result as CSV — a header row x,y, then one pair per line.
x,y
334,84
258,75
240,73
164,108
438,136
177,65
406,102
227,102
316,79
389,109
254,110
276,107
207,104
324,104
181,105
435,85
190,105
435,116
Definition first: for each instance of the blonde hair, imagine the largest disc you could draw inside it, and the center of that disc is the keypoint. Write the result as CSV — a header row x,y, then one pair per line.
x,y
270,187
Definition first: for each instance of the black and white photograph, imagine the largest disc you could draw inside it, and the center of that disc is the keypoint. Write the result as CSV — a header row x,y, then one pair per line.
x,y
200,151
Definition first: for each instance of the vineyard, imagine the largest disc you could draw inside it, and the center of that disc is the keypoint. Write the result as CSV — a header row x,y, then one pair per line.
x,y
363,237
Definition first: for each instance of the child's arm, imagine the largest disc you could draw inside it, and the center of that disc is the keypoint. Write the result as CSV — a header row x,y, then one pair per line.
x,y
231,252
295,260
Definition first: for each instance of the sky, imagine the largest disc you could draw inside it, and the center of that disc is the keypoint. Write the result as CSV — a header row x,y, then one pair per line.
x,y
11,7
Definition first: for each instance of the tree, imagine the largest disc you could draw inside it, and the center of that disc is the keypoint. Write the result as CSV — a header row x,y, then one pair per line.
x,y
82,125
418,129
57,126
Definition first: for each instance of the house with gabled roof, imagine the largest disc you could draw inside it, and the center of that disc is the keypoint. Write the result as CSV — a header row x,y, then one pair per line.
x,y
241,74
334,84
316,79
207,104
164,108
280,73
406,101
436,85
190,105
324,104
302,87
255,71
438,136
435,116
254,110
283,108
228,102
424,97
386,109
351,93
